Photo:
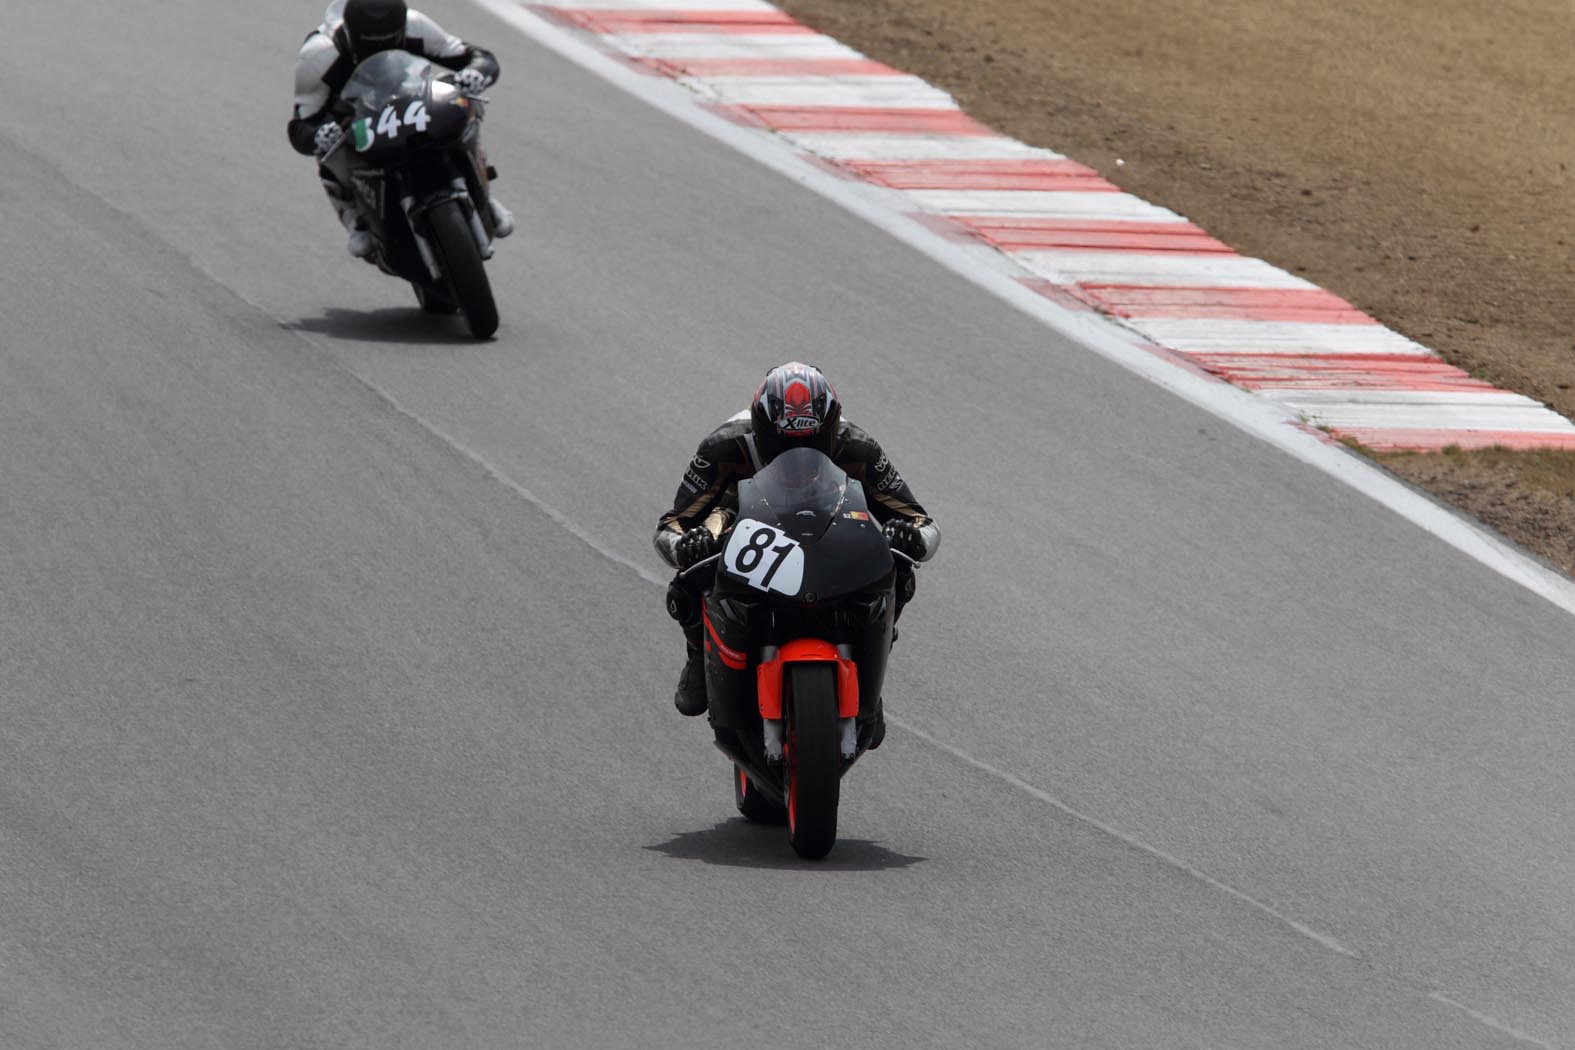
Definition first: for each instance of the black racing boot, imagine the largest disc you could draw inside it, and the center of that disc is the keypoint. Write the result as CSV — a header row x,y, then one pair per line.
x,y
878,730
690,697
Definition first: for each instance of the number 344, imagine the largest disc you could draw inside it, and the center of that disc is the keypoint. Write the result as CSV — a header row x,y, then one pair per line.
x,y
415,116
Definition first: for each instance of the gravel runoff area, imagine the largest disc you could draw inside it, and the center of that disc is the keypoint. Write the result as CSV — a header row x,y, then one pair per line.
x,y
1412,158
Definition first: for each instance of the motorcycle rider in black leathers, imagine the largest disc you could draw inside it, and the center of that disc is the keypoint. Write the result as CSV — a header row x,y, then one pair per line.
x,y
794,406
330,54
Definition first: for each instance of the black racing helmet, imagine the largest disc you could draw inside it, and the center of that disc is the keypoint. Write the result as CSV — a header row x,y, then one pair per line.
x,y
374,25
794,408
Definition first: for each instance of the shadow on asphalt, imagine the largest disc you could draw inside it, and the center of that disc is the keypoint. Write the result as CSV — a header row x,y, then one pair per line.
x,y
739,844
395,324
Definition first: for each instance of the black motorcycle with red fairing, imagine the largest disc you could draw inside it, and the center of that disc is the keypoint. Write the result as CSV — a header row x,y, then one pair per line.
x,y
798,626
411,160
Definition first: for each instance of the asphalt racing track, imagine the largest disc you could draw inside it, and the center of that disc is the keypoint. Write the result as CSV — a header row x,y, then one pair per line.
x,y
334,676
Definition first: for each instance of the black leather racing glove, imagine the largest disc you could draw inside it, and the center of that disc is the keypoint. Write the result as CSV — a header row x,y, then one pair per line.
x,y
695,545
905,538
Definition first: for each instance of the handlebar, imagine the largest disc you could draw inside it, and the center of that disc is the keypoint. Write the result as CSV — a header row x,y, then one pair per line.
x,y
702,563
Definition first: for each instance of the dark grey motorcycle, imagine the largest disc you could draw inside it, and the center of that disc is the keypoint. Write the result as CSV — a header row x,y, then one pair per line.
x,y
410,158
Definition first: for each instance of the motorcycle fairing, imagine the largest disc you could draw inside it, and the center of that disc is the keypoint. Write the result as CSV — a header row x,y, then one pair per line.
x,y
768,676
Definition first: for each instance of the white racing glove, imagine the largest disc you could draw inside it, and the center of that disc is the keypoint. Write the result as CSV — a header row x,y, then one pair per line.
x,y
470,81
328,137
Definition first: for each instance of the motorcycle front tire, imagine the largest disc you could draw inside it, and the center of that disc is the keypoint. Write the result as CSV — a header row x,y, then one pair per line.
x,y
813,762
467,278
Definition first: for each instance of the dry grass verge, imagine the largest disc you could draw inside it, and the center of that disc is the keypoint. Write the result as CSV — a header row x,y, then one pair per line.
x,y
1527,496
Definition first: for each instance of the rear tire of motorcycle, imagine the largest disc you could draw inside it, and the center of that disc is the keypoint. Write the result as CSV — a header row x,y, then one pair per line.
x,y
755,805
456,248
814,759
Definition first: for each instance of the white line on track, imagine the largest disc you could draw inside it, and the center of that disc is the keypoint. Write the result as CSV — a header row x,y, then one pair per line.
x,y
574,528
1497,1026
1121,836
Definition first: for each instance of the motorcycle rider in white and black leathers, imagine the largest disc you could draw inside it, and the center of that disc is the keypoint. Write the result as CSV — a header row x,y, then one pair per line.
x,y
793,407
330,54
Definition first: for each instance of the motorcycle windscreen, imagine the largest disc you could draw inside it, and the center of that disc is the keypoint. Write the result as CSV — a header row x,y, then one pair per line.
x,y
804,531
384,78
802,490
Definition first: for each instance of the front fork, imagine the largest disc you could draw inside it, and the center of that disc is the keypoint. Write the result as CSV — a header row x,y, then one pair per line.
x,y
470,187
769,673
414,211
